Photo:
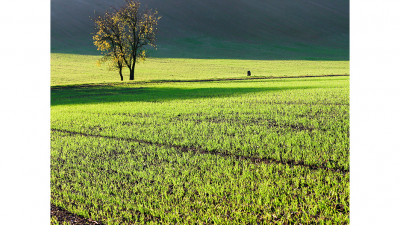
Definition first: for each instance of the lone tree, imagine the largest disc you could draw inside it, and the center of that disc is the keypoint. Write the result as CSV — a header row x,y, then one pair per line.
x,y
122,35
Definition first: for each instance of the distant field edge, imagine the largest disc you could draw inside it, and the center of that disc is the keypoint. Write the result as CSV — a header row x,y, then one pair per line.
x,y
192,80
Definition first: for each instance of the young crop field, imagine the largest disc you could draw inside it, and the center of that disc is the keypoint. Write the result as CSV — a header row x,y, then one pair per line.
x,y
262,151
67,69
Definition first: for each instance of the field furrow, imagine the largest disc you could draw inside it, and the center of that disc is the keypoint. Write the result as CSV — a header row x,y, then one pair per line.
x,y
62,216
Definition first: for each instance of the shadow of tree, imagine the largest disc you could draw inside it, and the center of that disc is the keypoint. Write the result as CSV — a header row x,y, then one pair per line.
x,y
104,94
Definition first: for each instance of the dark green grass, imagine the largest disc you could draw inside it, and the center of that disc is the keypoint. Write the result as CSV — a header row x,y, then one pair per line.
x,y
226,152
251,29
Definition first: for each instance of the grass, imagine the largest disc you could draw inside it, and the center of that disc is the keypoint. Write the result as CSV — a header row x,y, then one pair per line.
x,y
224,152
67,69
124,182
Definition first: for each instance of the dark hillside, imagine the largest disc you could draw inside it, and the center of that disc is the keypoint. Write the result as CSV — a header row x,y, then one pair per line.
x,y
262,29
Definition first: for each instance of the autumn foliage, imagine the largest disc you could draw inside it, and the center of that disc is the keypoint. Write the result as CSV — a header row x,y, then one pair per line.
x,y
123,35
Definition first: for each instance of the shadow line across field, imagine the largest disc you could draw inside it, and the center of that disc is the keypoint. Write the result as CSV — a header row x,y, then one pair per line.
x,y
106,94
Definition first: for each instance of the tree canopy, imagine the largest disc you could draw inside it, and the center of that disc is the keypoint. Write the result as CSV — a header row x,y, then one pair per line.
x,y
123,35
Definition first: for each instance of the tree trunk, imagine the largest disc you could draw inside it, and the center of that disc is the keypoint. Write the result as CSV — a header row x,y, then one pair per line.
x,y
132,74
120,74
132,71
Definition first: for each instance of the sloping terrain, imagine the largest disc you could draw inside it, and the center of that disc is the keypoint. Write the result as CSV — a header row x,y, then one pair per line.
x,y
270,151
254,29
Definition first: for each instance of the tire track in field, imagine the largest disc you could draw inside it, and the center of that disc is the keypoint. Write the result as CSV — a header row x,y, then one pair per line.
x,y
266,160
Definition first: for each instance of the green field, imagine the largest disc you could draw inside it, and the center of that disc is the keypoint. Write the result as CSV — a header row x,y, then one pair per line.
x,y
78,69
201,152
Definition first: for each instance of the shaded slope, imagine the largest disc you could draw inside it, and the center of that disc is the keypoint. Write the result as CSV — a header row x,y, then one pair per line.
x,y
275,29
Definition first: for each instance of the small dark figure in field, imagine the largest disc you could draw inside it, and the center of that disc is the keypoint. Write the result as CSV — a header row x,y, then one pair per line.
x,y
248,73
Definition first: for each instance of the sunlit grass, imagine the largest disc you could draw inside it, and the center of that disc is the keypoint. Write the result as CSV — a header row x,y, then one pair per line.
x,y
77,69
225,152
